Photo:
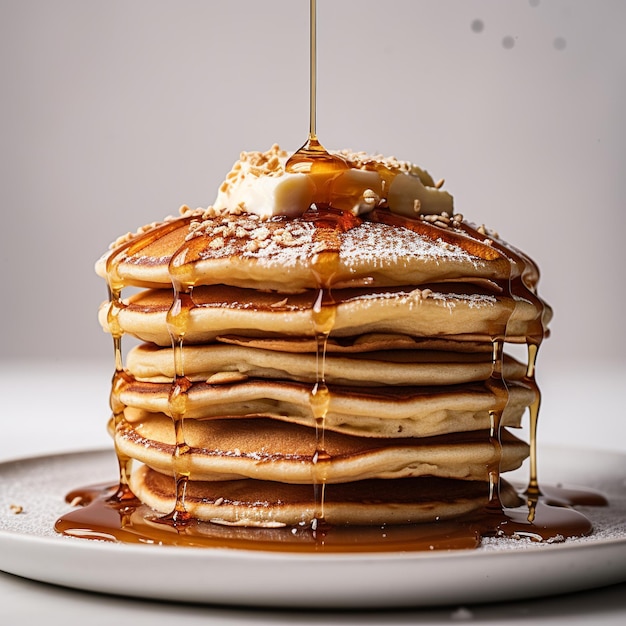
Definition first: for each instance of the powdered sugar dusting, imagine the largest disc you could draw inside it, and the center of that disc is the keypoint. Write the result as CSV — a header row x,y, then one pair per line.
x,y
279,241
376,243
473,300
290,242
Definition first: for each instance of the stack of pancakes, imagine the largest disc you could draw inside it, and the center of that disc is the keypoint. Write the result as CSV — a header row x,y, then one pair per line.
x,y
319,366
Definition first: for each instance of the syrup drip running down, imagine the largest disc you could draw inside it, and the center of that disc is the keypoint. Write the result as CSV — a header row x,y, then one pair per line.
x,y
177,322
183,279
115,284
112,513
324,267
312,158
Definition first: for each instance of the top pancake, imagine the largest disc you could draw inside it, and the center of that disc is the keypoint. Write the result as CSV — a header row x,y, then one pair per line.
x,y
290,254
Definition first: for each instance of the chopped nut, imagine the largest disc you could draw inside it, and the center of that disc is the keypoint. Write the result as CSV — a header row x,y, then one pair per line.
x,y
210,213
217,243
261,234
280,303
370,197
16,508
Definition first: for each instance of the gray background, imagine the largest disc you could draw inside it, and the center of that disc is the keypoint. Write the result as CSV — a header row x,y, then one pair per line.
x,y
115,113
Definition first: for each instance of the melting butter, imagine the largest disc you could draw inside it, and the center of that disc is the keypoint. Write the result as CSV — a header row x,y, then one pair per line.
x,y
261,183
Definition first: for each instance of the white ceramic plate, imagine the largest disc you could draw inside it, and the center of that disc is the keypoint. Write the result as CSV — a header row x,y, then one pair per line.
x,y
500,570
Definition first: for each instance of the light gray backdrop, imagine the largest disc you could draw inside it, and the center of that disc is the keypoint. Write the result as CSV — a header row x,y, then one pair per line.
x,y
115,113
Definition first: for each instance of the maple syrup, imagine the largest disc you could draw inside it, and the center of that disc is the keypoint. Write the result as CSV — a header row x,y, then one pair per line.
x,y
115,284
546,518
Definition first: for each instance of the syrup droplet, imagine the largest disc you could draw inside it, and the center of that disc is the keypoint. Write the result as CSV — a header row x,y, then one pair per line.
x,y
313,158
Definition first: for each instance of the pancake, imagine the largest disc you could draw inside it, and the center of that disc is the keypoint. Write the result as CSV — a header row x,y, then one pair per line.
x,y
250,503
244,251
283,452
213,362
367,412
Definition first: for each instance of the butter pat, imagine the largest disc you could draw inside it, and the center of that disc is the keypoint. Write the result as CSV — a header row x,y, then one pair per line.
x,y
266,196
258,183
409,196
